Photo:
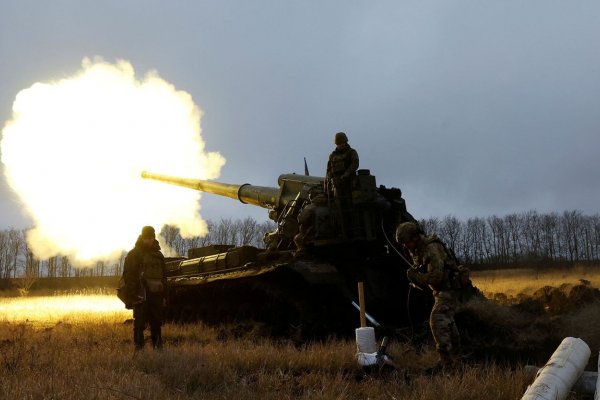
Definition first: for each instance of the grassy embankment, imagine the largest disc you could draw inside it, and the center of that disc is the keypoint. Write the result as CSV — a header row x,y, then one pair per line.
x,y
513,282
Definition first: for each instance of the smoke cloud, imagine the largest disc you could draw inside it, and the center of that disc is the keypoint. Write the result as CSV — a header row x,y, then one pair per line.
x,y
74,150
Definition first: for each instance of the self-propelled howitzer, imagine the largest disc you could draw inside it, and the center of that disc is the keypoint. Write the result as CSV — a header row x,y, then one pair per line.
x,y
305,278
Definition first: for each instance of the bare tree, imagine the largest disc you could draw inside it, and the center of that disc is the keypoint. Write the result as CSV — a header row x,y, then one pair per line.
x,y
65,267
430,226
451,230
170,235
246,229
25,282
513,227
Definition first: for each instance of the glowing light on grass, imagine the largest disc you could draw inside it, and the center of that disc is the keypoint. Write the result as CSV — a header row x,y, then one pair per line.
x,y
74,308
74,151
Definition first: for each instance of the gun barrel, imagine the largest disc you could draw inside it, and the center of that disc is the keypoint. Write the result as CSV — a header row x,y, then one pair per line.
x,y
261,196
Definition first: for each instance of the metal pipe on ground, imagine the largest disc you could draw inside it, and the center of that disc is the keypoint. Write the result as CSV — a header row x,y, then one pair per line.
x,y
556,379
597,394
586,384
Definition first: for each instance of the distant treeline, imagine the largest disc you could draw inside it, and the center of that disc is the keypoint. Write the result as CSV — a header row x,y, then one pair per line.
x,y
17,260
527,238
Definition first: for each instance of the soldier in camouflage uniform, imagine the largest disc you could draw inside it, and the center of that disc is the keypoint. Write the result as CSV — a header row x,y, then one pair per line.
x,y
306,220
341,170
342,166
145,287
435,266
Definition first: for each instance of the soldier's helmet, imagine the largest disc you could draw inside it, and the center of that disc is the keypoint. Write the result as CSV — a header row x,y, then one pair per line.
x,y
148,232
340,138
407,231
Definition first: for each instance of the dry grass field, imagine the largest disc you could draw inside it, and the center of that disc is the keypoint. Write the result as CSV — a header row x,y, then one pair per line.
x,y
80,347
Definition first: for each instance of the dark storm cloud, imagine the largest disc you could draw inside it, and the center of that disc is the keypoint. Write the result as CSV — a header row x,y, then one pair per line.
x,y
472,108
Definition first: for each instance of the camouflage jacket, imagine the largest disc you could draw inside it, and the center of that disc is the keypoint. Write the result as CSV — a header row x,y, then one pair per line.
x,y
433,261
342,162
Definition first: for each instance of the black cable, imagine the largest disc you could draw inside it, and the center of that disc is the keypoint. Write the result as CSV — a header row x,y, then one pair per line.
x,y
392,246
410,322
412,328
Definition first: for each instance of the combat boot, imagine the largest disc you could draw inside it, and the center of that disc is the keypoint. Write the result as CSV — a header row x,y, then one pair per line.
x,y
445,365
138,338
157,343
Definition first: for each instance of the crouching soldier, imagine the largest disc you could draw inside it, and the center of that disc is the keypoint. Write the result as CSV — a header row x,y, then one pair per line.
x,y
310,220
145,287
435,265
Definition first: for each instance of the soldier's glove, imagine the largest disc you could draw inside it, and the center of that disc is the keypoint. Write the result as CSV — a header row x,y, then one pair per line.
x,y
345,176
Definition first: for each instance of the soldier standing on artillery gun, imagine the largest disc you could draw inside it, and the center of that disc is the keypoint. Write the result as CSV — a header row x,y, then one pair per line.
x,y
341,169
145,287
448,281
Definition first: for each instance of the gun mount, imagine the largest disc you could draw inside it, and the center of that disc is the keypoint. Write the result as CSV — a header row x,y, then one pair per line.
x,y
306,276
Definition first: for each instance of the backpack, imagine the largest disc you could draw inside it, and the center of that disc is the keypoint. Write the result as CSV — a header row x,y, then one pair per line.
x,y
152,273
458,274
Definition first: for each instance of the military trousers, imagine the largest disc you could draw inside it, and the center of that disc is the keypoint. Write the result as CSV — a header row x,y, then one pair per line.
x,y
443,327
149,312
343,201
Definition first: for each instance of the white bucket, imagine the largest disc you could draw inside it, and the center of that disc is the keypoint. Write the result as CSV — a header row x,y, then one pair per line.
x,y
557,377
365,340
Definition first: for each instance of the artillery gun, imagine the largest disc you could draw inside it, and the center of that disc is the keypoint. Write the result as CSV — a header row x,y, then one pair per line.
x,y
304,281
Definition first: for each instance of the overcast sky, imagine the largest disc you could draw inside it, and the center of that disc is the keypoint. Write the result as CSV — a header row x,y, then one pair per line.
x,y
472,108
